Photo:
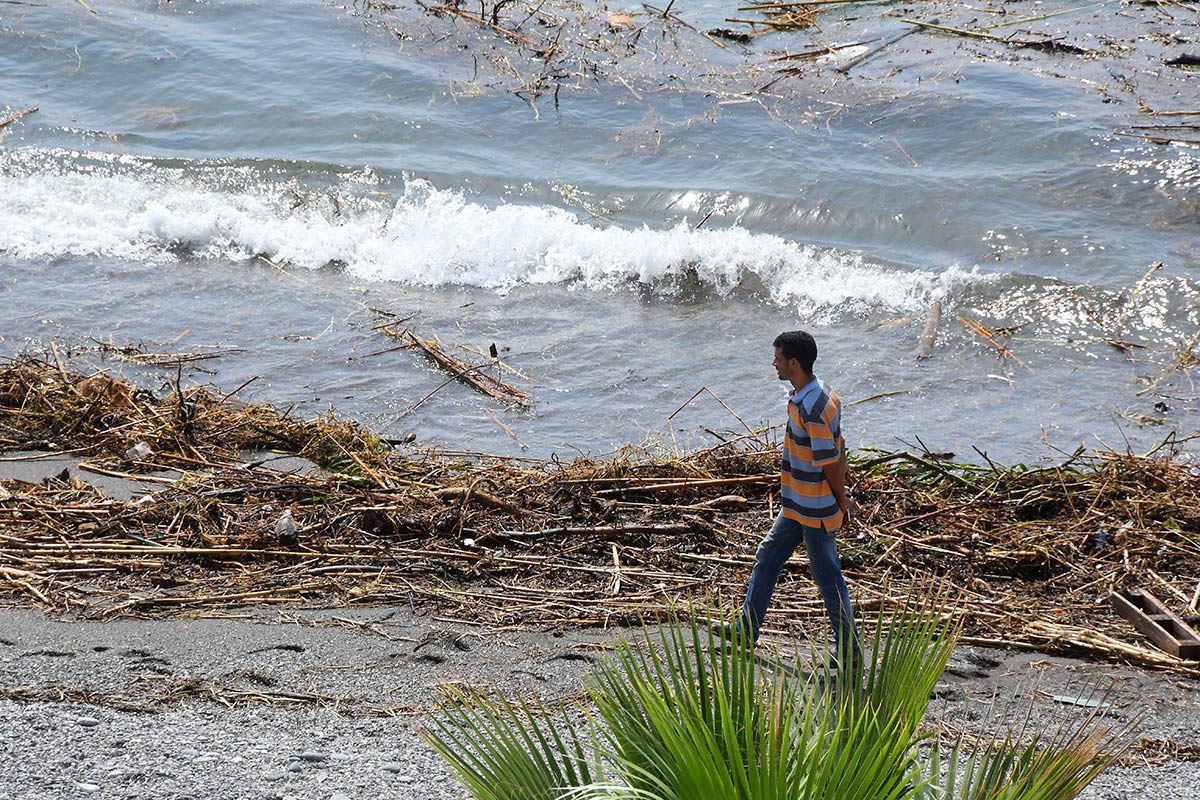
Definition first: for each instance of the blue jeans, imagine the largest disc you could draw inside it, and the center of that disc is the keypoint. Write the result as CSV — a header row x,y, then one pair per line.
x,y
824,566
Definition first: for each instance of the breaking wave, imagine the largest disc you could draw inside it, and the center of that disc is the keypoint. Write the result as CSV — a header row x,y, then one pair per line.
x,y
56,203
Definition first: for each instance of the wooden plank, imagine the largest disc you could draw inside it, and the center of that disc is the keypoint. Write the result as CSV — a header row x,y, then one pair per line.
x,y
1161,625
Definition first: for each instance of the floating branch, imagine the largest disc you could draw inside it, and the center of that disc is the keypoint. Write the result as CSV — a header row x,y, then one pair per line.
x,y
9,120
667,14
1047,45
470,374
878,396
1185,358
1040,17
458,12
817,52
871,53
986,333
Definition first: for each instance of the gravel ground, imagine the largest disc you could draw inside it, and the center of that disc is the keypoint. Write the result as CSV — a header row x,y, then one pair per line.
x,y
133,709
206,751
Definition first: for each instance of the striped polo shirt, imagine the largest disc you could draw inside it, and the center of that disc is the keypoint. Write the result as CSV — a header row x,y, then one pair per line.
x,y
814,439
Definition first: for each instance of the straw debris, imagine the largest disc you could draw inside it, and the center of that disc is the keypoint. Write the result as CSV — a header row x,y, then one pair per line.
x,y
1033,552
536,50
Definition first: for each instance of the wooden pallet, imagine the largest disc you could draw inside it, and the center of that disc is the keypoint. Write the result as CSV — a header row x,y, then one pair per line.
x,y
1169,632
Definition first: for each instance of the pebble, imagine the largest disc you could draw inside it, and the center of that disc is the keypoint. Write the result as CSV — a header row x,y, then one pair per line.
x,y
88,787
295,766
274,775
88,722
313,757
392,766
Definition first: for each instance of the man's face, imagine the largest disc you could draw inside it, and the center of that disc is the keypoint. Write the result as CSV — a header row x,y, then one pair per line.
x,y
784,367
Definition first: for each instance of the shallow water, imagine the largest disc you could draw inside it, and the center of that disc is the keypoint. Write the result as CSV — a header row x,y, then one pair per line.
x,y
176,143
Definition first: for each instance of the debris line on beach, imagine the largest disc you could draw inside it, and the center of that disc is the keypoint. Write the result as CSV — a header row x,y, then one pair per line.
x,y
1034,552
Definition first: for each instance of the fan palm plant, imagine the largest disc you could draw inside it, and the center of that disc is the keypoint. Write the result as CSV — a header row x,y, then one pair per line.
x,y
679,713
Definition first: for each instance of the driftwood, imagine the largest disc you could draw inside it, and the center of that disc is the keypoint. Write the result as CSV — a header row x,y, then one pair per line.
x,y
471,374
1047,45
599,530
929,334
667,14
515,541
9,120
1185,357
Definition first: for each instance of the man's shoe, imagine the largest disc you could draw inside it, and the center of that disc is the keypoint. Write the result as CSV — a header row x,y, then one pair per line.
x,y
729,632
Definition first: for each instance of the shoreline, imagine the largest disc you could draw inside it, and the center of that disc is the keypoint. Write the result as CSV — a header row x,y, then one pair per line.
x,y
1029,555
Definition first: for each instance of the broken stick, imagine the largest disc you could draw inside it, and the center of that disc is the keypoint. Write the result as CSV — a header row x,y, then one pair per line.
x,y
854,62
986,333
471,375
6,122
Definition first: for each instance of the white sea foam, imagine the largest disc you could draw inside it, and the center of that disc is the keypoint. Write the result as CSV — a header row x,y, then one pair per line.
x,y
130,209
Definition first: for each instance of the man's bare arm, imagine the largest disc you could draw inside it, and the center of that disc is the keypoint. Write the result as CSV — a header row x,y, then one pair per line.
x,y
836,473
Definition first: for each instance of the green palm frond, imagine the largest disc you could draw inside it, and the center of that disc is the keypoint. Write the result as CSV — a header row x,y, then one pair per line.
x,y
689,721
670,714
510,751
1056,766
912,648
681,714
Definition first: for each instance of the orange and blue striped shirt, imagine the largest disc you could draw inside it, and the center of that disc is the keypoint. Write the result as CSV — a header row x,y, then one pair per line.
x,y
813,440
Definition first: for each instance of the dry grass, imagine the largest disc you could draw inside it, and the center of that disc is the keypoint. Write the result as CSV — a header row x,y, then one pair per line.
x,y
519,542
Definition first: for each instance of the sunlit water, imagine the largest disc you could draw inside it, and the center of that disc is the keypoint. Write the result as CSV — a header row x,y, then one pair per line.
x,y
261,178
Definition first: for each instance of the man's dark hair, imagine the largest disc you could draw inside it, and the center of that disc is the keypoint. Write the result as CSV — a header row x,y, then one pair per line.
x,y
799,345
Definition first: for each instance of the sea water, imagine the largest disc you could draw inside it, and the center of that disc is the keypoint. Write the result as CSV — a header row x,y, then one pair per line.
x,y
268,182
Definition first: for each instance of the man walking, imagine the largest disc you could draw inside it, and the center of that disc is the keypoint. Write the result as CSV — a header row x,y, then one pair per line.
x,y
814,503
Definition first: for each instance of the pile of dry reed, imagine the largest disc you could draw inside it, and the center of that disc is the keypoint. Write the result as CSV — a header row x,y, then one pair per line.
x,y
514,541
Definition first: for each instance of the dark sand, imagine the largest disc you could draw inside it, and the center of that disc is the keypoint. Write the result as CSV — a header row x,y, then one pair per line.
x,y
325,703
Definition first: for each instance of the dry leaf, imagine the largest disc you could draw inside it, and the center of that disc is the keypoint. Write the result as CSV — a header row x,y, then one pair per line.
x,y
618,21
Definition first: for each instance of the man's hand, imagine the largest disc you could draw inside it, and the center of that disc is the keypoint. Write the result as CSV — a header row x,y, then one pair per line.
x,y
849,508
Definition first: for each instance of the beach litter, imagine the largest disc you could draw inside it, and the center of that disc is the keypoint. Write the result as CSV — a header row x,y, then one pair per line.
x,y
511,542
